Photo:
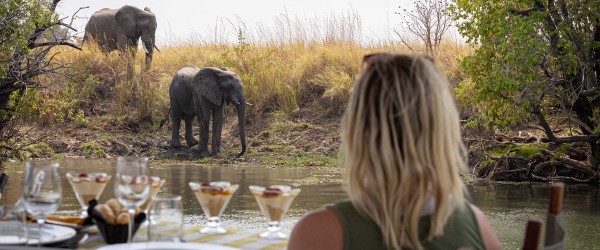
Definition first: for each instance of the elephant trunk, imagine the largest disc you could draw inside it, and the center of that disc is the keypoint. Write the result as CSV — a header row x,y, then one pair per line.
x,y
149,44
241,112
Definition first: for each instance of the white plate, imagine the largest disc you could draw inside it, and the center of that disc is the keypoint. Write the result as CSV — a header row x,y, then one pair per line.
x,y
50,233
8,232
11,240
166,246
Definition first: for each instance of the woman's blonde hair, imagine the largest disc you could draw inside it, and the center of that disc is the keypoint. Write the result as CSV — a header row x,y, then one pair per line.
x,y
402,147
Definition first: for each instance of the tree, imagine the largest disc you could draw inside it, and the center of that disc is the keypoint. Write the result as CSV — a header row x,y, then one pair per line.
x,y
27,36
428,22
534,59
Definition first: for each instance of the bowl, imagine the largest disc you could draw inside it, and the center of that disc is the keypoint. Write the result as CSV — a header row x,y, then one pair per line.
x,y
113,233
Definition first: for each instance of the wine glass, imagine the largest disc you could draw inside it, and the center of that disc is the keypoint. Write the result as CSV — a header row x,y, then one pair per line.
x,y
274,202
42,192
132,185
213,198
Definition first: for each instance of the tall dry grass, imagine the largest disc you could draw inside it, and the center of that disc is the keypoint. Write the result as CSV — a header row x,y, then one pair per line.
x,y
283,67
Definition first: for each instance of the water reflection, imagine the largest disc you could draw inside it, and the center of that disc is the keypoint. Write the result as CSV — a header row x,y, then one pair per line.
x,y
507,205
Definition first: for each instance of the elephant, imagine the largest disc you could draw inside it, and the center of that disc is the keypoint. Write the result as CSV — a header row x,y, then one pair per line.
x,y
121,29
202,93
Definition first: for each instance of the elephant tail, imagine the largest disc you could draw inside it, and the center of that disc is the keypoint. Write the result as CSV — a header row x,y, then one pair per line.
x,y
85,38
164,120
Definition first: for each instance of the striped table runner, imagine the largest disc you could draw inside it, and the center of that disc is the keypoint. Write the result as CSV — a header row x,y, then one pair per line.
x,y
235,237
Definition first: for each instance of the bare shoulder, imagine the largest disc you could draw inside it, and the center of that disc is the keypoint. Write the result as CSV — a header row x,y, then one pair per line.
x,y
320,229
490,238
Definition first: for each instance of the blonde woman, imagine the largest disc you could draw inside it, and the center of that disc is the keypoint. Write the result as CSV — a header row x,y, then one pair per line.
x,y
403,153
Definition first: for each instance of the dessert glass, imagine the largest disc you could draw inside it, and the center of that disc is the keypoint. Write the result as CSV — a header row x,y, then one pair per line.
x,y
213,198
274,202
87,186
155,185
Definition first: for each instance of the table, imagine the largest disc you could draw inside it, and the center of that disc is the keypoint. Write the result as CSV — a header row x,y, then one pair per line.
x,y
235,237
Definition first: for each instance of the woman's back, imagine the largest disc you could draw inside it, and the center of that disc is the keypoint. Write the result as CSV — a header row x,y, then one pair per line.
x,y
360,232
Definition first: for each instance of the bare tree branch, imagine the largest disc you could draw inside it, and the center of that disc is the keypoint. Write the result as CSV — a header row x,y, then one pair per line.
x,y
403,41
428,22
37,45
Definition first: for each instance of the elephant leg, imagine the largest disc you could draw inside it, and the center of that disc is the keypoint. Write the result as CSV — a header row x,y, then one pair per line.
x,y
175,124
203,120
217,115
189,136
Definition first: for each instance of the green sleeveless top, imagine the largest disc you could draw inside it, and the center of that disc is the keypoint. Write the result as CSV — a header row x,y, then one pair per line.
x,y
461,230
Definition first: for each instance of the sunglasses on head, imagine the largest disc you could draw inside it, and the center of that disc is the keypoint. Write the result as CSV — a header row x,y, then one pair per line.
x,y
369,58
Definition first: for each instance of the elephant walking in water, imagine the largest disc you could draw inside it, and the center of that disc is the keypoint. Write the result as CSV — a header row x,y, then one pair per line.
x,y
202,93
121,29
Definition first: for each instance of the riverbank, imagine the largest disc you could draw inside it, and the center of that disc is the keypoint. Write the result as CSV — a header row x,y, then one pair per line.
x,y
309,140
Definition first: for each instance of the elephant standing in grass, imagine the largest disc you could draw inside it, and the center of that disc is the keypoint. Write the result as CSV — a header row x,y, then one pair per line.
x,y
121,29
202,93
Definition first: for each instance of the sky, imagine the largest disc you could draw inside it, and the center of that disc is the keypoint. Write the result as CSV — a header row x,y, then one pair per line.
x,y
179,20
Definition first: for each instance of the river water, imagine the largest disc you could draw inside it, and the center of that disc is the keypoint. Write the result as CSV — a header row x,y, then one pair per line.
x,y
507,205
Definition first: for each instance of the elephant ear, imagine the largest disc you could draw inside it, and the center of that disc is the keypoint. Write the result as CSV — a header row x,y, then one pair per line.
x,y
209,85
126,19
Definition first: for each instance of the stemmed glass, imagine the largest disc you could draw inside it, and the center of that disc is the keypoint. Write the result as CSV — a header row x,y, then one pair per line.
x,y
274,202
42,192
155,185
132,185
213,198
87,186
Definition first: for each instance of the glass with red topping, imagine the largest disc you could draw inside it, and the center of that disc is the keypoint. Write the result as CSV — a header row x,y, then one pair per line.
x,y
155,185
213,198
87,186
274,202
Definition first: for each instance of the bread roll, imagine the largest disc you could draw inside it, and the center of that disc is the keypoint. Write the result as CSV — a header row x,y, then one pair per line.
x,y
115,205
106,213
123,218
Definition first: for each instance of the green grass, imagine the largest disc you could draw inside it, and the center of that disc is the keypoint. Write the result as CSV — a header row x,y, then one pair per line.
x,y
296,160
523,150
41,149
93,150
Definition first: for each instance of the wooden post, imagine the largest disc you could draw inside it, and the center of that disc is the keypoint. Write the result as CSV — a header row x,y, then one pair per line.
x,y
533,233
557,191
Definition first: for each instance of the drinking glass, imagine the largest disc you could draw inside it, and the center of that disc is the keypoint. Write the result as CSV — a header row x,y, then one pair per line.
x,y
87,186
132,185
274,202
166,219
41,192
213,198
13,224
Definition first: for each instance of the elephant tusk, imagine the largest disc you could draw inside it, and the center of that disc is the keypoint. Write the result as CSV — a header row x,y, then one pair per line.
x,y
147,52
156,48
247,103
